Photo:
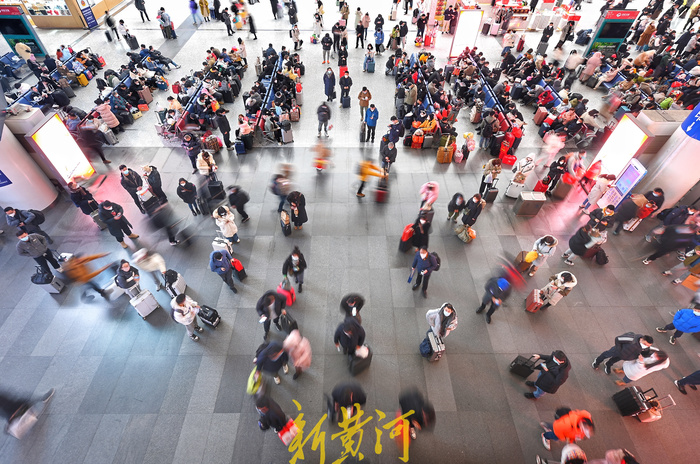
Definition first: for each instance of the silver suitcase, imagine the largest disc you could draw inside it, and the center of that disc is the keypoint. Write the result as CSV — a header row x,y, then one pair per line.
x,y
436,345
178,287
300,98
222,244
144,303
55,286
287,136
110,137
514,189
95,215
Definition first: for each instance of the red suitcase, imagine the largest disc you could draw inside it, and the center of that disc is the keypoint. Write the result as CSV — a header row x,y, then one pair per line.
x,y
541,186
534,301
290,294
508,160
541,115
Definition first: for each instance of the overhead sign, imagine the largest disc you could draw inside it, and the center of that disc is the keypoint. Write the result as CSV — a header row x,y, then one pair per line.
x,y
10,10
691,125
4,180
621,14
89,17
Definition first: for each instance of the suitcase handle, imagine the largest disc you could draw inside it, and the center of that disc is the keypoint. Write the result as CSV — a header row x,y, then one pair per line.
x,y
644,394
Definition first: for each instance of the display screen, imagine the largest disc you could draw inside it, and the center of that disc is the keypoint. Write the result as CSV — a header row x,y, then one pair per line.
x,y
614,30
622,145
13,26
628,179
62,151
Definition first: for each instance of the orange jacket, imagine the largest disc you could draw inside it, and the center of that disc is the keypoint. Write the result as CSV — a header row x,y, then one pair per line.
x,y
77,270
566,428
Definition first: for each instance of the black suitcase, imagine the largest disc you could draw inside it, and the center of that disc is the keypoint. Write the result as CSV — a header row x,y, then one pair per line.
x,y
150,205
363,132
288,323
542,48
68,91
60,98
544,128
491,192
517,92
496,142
227,95
285,223
209,316
405,246
109,36
203,205
345,101
133,43
358,364
522,366
632,400
216,190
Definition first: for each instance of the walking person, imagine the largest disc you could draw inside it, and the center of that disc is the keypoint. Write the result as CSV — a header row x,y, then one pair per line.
x,y
423,266
25,220
271,303
497,290
271,360
690,380
237,198
152,176
347,396
324,115
420,228
601,186
141,6
472,210
187,191
36,247
154,263
220,262
226,222
558,287
570,426
544,247
185,311
271,414
350,335
76,269
673,238
204,9
455,207
644,365
192,146
111,23
132,182
123,30
299,350
442,320
554,371
280,187
628,347
194,11
296,37
371,117
429,193
165,24
364,97
579,243
326,45
351,305
295,264
387,155
685,320
21,412
367,168
112,214
491,171
297,203
422,412
691,264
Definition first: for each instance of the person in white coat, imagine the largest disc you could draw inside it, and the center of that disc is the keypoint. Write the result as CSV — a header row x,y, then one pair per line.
x,y
558,287
226,221
545,247
601,186
299,349
442,320
151,262
524,166
638,368
184,311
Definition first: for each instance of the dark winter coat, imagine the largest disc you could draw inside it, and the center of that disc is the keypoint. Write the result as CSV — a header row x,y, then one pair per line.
x,y
578,242
599,221
492,288
188,193
628,346
280,303
299,215
452,206
348,393
555,375
420,234
428,264
658,201
83,200
626,211
413,401
238,199
108,217
346,308
127,279
288,266
131,181
472,211
349,343
154,178
264,361
328,84
223,123
345,82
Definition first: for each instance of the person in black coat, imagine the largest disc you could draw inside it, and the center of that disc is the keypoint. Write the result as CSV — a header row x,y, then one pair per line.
x,y
187,191
497,290
472,210
556,170
295,264
224,127
131,183
578,244
351,304
271,414
657,196
345,395
420,233
268,304
112,214
271,359
455,206
154,181
345,84
547,32
128,278
350,335
624,212
237,198
423,416
297,202
554,371
82,199
628,347
601,218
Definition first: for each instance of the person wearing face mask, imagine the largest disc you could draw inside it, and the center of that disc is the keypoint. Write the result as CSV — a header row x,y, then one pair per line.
x,y
558,287
472,210
128,278
295,264
420,232
429,193
329,85
628,347
455,206
423,266
112,214
188,192
570,426
35,246
554,371
442,320
656,196
152,176
132,182
25,220
545,247
226,221
641,367
601,218
351,304
497,290
685,320
349,335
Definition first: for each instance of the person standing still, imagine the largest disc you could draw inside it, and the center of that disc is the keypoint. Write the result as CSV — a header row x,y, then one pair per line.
x,y
220,262
371,117
187,191
35,246
423,266
227,20
141,6
365,96
224,127
184,311
132,182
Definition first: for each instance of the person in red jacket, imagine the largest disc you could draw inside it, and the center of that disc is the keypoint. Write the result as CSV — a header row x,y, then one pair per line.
x,y
569,425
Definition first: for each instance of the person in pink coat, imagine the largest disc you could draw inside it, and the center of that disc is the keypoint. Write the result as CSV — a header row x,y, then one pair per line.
x,y
299,349
429,193
107,116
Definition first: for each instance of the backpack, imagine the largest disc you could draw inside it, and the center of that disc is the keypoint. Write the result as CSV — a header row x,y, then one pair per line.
x,y
275,188
437,261
172,313
39,217
261,348
601,257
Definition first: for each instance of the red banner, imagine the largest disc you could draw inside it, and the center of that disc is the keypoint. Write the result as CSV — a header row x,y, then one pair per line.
x,y
10,11
621,14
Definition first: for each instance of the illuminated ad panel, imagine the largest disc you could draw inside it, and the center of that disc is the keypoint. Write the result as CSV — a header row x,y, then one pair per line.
x,y
467,31
60,148
622,145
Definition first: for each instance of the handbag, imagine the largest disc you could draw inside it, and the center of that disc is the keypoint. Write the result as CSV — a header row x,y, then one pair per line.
x,y
286,284
288,432
42,276
253,385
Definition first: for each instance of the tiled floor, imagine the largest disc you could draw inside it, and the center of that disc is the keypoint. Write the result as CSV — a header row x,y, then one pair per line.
x,y
133,391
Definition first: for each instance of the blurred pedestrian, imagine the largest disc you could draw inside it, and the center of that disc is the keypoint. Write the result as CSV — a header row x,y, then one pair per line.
x,y
351,305
299,350
295,264
455,206
423,415
349,335
82,198
569,426
365,169
345,396
237,198
152,262
429,193
497,290
271,303
271,359
21,413
271,414
75,268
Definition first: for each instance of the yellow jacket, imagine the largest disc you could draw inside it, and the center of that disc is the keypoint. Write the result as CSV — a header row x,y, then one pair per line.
x,y
369,169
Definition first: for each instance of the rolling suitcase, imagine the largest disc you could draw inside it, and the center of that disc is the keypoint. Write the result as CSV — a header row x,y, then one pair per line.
x,y
522,366
216,190
68,90
287,136
222,244
300,98
209,316
544,128
174,283
345,101
285,223
133,43
381,193
514,189
496,142
144,303
203,205
541,115
541,187
240,270
632,400
227,95
110,137
295,114
109,36
145,95
239,146
370,66
491,192
55,286
435,345
359,364
444,154
288,323
542,48
95,215
533,303
82,80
